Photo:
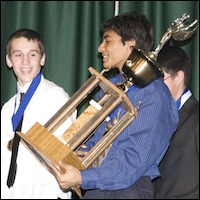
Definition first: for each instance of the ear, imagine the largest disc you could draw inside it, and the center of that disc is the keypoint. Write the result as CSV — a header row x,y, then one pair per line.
x,y
131,44
8,61
42,61
180,76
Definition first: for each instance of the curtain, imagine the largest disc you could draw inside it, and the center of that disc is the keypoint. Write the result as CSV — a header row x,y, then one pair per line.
x,y
70,30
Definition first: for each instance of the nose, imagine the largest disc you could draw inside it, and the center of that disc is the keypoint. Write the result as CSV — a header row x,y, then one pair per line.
x,y
101,48
25,59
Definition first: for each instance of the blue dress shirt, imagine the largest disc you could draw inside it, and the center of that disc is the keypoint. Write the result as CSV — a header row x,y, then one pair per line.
x,y
140,147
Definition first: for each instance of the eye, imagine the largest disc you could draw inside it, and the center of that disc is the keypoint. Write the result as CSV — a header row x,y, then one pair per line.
x,y
32,54
17,55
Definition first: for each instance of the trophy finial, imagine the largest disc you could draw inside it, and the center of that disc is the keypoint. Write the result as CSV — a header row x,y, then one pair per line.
x,y
182,31
179,31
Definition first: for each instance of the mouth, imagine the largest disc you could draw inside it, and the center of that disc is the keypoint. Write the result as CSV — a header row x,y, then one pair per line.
x,y
25,71
105,58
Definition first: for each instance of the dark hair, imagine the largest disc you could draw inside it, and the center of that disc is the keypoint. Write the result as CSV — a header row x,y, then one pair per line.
x,y
131,26
172,59
26,33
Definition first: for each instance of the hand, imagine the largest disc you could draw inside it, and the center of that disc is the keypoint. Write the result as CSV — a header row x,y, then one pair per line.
x,y
66,175
80,153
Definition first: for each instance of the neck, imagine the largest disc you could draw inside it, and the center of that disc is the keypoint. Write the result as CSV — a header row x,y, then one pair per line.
x,y
180,90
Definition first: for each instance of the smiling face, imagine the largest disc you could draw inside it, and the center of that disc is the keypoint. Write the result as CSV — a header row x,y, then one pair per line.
x,y
26,59
114,52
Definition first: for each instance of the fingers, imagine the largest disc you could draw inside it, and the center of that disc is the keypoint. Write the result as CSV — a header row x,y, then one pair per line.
x,y
84,146
80,153
67,175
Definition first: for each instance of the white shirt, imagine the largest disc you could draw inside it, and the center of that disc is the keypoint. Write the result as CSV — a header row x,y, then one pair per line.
x,y
32,180
184,98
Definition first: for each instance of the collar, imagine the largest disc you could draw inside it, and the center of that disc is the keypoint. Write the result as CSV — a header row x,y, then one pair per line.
x,y
183,98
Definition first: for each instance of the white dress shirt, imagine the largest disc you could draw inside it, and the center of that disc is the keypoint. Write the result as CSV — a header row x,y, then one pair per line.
x,y
32,180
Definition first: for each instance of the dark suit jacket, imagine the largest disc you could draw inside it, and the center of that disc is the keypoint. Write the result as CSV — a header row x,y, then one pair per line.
x,y
179,168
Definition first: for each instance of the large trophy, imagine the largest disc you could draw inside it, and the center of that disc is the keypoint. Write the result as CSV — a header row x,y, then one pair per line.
x,y
140,69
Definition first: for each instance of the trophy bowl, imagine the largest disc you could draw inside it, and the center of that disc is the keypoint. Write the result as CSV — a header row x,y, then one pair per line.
x,y
142,68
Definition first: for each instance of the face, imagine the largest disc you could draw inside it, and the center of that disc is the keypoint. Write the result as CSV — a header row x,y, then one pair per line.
x,y
25,58
114,52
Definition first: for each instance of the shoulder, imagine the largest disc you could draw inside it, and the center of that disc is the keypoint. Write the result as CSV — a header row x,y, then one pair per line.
x,y
50,88
9,104
191,106
156,90
195,102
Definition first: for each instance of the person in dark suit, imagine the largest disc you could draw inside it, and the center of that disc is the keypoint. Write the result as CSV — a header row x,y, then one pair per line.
x,y
179,169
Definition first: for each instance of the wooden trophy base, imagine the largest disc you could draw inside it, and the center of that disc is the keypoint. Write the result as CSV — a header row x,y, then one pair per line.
x,y
49,150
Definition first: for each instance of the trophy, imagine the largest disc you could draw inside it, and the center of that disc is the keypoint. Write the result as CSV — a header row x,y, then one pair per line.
x,y
140,69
